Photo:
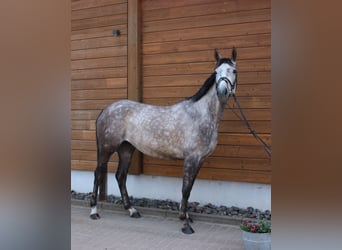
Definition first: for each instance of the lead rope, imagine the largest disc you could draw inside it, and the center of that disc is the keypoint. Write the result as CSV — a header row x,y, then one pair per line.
x,y
260,140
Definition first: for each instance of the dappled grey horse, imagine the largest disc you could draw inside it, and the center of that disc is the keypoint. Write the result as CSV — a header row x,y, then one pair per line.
x,y
186,130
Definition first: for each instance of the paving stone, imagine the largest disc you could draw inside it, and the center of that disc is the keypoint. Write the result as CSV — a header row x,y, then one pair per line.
x,y
118,231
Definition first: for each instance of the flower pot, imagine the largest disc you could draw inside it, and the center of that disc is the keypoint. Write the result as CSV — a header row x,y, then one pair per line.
x,y
256,241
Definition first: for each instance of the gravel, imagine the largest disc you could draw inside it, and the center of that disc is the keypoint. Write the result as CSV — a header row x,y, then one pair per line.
x,y
194,207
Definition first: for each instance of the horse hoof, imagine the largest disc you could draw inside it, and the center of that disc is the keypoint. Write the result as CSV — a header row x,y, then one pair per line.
x,y
95,216
136,215
133,213
188,230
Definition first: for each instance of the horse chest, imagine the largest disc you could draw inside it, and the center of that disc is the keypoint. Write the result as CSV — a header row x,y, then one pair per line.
x,y
207,137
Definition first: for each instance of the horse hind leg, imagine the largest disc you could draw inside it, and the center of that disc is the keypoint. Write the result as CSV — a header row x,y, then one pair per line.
x,y
99,175
125,152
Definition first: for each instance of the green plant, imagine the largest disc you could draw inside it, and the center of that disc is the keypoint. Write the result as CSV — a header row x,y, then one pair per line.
x,y
260,226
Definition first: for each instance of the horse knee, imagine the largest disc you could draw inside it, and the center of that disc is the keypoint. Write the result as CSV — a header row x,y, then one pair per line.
x,y
99,172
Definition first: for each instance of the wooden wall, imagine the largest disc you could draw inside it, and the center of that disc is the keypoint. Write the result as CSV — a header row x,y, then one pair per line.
x,y
99,71
178,41
177,55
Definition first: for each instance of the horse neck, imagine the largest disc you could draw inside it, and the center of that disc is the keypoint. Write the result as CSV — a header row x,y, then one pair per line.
x,y
211,103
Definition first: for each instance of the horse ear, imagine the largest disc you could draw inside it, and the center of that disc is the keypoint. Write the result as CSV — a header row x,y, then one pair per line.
x,y
234,54
217,55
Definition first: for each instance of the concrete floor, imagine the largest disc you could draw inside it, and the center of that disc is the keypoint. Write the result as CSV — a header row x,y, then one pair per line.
x,y
116,230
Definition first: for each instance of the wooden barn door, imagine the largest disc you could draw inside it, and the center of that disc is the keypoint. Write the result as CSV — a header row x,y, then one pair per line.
x,y
177,49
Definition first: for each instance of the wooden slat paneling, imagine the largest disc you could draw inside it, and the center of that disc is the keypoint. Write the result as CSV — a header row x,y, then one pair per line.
x,y
244,41
228,31
85,4
91,165
100,21
98,72
178,42
107,83
175,9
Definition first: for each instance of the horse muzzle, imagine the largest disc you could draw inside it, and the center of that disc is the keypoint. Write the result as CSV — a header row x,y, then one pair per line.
x,y
224,88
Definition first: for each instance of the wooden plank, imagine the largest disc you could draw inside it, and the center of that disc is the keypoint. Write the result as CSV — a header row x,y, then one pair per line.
x,y
206,20
98,22
98,94
134,58
134,68
84,114
98,32
83,125
157,170
240,127
205,32
91,165
169,10
83,135
99,53
84,4
255,152
251,114
91,104
237,139
254,77
231,163
100,73
99,11
236,175
223,42
107,83
83,145
108,62
152,4
100,42
205,56
84,155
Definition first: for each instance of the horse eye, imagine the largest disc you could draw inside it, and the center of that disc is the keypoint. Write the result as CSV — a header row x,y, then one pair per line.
x,y
234,71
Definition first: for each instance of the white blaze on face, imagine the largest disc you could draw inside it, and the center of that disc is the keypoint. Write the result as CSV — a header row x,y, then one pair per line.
x,y
227,71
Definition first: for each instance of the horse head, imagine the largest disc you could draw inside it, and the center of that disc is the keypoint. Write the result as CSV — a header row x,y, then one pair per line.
x,y
226,75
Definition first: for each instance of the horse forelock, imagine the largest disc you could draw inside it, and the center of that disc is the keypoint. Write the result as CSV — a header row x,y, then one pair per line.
x,y
225,60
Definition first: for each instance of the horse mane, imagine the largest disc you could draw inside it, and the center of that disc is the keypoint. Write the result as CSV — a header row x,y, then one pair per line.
x,y
204,89
209,82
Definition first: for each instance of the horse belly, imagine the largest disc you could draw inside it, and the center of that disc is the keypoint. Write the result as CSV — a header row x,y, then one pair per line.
x,y
159,146
160,143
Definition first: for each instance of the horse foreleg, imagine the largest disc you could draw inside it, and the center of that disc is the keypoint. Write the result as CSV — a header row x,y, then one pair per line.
x,y
125,152
191,168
